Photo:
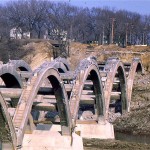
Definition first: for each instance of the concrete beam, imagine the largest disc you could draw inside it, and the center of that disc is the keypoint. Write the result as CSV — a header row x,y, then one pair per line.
x,y
11,92
103,73
87,99
16,92
25,74
44,106
115,95
86,121
87,92
116,79
45,91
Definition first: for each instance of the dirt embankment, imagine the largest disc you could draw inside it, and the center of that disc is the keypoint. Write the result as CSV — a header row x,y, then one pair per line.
x,y
41,52
102,52
34,52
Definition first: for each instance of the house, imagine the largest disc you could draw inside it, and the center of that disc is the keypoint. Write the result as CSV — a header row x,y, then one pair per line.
x,y
17,33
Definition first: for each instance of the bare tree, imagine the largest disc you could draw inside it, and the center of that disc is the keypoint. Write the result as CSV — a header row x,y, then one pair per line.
x,y
81,24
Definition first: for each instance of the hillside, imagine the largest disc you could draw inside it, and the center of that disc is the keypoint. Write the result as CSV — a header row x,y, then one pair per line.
x,y
35,52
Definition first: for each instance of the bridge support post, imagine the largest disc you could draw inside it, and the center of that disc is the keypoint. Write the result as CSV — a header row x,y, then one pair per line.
x,y
51,139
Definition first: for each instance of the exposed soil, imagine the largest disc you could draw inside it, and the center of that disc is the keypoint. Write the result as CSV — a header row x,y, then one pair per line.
x,y
34,52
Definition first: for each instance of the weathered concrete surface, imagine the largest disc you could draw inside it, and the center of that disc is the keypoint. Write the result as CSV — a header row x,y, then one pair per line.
x,y
6,146
51,140
100,131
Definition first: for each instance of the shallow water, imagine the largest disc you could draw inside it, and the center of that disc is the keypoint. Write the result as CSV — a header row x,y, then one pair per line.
x,y
132,138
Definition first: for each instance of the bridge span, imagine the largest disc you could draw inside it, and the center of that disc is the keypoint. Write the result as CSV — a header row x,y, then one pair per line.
x,y
54,107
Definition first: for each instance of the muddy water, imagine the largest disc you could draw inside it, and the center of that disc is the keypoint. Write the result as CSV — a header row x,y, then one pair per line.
x,y
132,138
122,141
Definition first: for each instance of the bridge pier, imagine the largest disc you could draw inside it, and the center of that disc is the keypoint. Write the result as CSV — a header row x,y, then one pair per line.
x,y
51,139
100,130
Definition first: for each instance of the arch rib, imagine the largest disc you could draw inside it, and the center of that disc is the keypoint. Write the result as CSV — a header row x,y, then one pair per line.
x,y
58,65
10,76
81,73
20,64
136,66
113,66
26,100
9,121
64,61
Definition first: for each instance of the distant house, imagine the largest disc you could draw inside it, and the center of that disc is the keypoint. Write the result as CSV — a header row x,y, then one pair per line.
x,y
16,33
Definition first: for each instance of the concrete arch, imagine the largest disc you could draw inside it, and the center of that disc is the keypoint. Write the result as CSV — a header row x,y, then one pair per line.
x,y
136,67
86,67
10,76
20,64
56,64
64,61
8,120
115,66
28,95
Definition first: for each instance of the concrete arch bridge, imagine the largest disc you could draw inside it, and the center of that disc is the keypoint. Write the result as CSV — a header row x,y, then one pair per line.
x,y
53,105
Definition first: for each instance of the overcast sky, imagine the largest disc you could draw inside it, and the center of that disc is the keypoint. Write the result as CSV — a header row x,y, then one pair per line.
x,y
140,6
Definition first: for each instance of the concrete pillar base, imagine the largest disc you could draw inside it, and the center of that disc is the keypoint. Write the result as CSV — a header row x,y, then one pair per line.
x,y
100,131
51,140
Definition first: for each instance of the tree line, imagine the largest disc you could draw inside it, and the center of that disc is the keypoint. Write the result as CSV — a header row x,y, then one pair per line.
x,y
102,25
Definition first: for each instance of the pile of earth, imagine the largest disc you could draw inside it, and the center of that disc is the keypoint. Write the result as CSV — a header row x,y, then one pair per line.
x,y
34,51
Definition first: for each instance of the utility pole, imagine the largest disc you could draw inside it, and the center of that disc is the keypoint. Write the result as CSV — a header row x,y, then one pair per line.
x,y
127,33
103,36
71,32
144,36
131,28
112,30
